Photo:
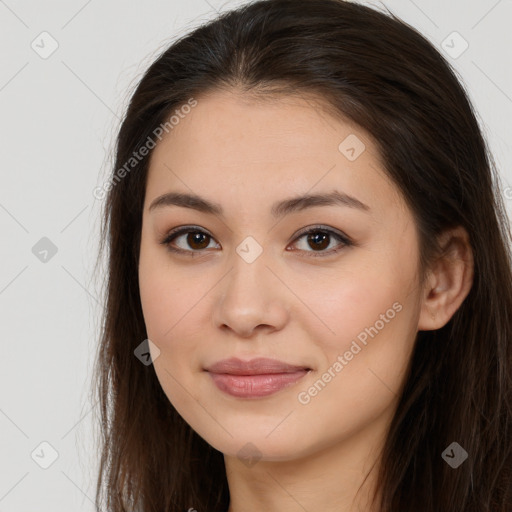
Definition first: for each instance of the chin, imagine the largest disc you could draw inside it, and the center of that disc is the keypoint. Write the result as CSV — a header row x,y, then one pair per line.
x,y
256,444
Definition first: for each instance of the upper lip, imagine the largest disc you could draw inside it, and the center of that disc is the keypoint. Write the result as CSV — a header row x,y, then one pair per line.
x,y
258,366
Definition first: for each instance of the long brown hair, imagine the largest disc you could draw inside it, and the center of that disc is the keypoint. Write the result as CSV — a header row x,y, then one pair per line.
x,y
374,69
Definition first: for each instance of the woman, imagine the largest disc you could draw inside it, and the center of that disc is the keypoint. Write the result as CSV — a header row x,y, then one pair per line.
x,y
309,278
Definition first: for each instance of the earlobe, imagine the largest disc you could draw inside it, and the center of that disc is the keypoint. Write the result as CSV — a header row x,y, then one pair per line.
x,y
449,280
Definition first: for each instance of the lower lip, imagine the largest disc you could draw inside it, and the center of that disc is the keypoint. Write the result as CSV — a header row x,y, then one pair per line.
x,y
255,386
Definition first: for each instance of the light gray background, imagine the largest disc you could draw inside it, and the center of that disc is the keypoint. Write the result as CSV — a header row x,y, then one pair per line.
x,y
58,119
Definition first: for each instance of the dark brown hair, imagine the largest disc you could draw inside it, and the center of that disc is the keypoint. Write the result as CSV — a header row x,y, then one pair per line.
x,y
375,70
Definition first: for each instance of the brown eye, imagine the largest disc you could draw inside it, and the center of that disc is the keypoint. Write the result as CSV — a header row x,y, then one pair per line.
x,y
193,244
318,239
195,241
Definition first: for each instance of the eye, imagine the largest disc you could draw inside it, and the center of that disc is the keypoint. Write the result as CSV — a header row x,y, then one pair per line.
x,y
317,237
196,238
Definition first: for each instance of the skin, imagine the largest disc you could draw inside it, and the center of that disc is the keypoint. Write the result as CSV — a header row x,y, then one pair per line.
x,y
245,155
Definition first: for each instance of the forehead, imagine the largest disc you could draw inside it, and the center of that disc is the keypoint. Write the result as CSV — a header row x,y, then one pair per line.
x,y
258,149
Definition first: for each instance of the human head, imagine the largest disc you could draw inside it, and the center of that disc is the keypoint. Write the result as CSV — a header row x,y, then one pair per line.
x,y
375,72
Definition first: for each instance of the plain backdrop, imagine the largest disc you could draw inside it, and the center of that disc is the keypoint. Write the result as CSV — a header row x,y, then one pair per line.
x,y
59,116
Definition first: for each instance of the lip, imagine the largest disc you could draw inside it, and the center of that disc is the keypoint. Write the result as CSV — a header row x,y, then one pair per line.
x,y
254,378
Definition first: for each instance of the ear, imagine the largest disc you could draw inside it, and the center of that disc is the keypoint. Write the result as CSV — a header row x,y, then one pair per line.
x,y
448,282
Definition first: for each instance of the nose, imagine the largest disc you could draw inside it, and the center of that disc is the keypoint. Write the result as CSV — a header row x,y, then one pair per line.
x,y
251,298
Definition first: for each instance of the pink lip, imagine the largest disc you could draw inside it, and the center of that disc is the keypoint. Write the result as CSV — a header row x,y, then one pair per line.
x,y
255,378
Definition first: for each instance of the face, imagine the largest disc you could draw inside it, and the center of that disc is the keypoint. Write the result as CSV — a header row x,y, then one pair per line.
x,y
336,309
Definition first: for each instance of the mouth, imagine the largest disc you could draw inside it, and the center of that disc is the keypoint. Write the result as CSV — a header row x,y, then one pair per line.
x,y
255,378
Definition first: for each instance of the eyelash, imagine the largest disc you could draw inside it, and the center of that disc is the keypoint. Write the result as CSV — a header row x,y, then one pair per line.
x,y
172,235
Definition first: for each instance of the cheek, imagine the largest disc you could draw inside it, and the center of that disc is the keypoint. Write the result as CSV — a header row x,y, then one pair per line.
x,y
344,304
364,363
166,303
368,318
174,315
154,298
163,295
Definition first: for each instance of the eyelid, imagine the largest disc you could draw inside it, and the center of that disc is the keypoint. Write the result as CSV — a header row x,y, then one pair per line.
x,y
321,227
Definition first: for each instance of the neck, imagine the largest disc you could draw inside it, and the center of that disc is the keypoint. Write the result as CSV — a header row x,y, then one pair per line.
x,y
338,478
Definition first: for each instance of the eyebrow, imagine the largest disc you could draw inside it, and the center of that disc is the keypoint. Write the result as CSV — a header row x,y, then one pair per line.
x,y
279,209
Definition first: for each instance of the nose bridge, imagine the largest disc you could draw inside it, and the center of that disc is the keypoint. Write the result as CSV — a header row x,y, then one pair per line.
x,y
249,274
250,295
